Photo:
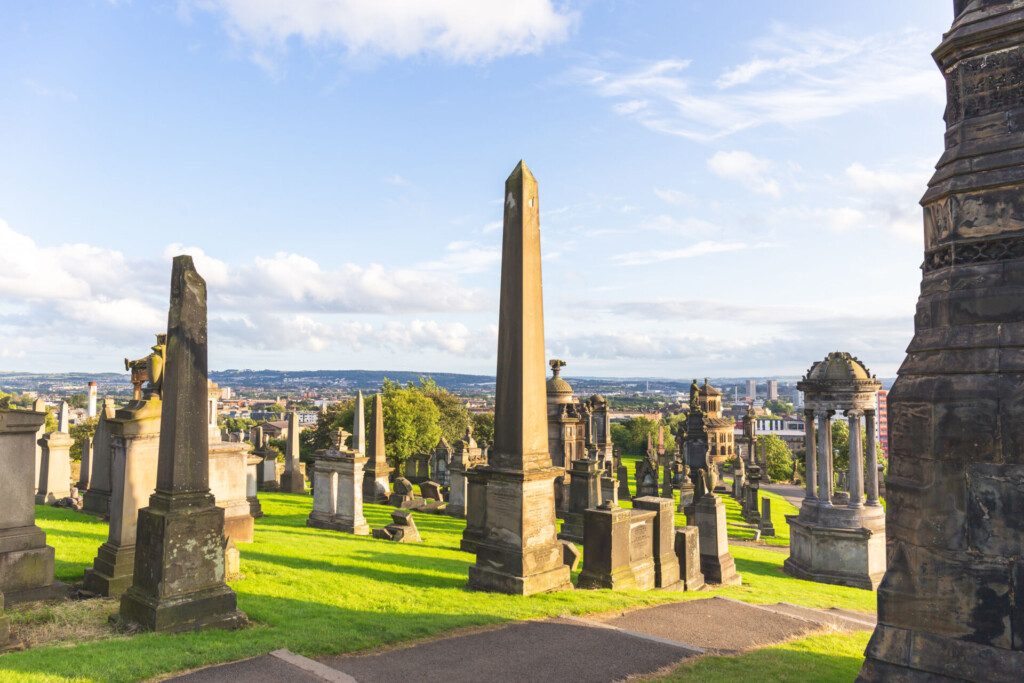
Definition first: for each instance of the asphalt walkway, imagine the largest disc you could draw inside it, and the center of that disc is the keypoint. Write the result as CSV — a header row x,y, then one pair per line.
x,y
594,649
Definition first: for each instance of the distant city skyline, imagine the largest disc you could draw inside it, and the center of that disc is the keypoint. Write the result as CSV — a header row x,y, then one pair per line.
x,y
727,189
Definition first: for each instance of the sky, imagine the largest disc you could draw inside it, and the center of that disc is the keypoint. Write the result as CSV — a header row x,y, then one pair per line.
x,y
727,187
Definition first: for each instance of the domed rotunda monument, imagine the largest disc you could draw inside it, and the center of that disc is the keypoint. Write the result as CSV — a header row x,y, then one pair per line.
x,y
833,540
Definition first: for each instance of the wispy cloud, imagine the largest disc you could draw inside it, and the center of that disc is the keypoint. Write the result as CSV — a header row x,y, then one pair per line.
x,y
743,167
42,90
456,30
640,258
795,77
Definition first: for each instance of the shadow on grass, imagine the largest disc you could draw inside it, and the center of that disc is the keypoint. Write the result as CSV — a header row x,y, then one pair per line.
x,y
406,577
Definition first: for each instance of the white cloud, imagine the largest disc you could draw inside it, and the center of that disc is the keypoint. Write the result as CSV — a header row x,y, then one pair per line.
x,y
456,30
674,197
796,77
747,169
466,257
640,258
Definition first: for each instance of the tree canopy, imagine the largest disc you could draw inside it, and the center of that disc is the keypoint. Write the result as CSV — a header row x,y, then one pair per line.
x,y
776,454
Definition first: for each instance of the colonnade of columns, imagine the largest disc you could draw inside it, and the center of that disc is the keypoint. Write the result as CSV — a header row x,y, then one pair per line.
x,y
818,457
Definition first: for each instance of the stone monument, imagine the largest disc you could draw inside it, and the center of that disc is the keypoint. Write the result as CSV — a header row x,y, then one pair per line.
x,y
26,562
134,441
584,493
39,405
178,581
951,605
55,472
519,552
293,481
618,548
96,498
338,492
376,486
832,541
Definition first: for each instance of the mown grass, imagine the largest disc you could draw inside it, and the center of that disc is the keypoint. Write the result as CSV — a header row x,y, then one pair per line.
x,y
318,592
829,657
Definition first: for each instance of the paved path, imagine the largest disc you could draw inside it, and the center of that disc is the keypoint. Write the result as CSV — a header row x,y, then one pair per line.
x,y
594,649
791,492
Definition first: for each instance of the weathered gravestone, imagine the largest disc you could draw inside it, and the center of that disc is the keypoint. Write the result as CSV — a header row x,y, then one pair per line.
x,y
178,582
401,530
618,548
687,547
666,564
584,493
431,490
519,552
765,523
338,492
951,604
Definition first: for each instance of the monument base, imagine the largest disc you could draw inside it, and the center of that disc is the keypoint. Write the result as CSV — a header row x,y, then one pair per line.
x,y
716,562
495,581
96,502
26,566
169,595
293,482
375,491
255,509
837,545
908,656
112,570
335,523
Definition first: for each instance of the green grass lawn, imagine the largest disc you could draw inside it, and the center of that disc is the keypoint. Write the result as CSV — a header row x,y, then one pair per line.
x,y
319,592
830,657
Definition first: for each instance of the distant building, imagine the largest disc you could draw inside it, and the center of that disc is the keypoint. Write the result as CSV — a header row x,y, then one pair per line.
x,y
773,390
226,393
882,414
752,389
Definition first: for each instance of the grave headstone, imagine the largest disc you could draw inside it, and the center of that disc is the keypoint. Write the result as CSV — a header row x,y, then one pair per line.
x,y
97,497
765,523
401,530
55,472
584,493
293,481
338,492
687,547
666,564
618,548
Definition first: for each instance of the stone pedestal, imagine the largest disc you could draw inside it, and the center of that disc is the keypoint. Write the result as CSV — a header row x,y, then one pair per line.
x,y
229,468
837,544
266,472
476,510
716,561
519,552
646,479
293,481
252,478
618,549
178,582
85,466
26,562
458,491
687,547
96,498
584,493
622,477
765,525
666,564
338,492
55,472
686,494
135,446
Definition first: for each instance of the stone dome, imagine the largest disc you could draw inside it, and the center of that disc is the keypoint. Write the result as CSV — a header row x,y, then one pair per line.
x,y
556,385
838,366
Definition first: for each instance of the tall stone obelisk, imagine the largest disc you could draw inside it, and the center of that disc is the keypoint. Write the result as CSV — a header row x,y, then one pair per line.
x,y
376,485
178,582
293,481
519,552
359,426
951,605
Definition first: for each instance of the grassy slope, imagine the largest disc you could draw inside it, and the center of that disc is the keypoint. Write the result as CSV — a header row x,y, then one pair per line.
x,y
830,657
319,592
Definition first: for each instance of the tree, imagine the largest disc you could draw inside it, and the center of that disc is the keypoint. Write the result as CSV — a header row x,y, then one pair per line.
x,y
81,432
776,454
779,407
238,424
336,416
483,426
410,422
454,418
77,400
631,435
841,446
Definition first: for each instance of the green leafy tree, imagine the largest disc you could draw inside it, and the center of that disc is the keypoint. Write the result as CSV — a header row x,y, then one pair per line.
x,y
237,424
77,400
483,426
50,425
774,451
81,432
631,435
779,407
453,415
841,446
410,422
337,416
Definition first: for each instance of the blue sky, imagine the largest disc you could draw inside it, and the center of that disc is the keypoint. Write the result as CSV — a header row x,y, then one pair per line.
x,y
727,187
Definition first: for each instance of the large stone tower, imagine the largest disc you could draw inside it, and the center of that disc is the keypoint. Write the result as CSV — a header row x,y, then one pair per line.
x,y
951,605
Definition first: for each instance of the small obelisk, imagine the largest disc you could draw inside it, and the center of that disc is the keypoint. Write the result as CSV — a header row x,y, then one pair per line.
x,y
292,481
178,582
359,426
519,552
376,486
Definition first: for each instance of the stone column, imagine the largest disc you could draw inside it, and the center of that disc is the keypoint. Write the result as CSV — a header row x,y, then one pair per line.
x,y
97,498
856,474
824,461
292,481
55,473
872,458
178,582
519,552
85,471
359,427
810,451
